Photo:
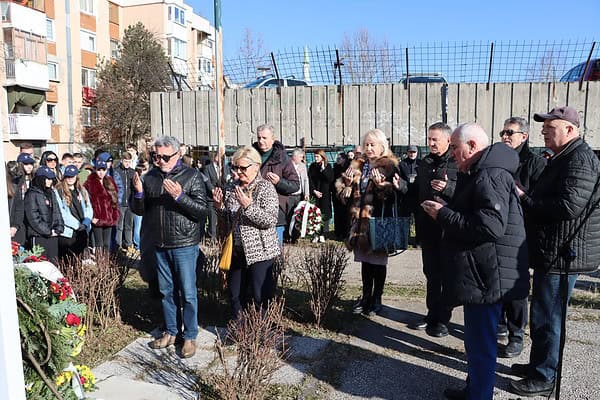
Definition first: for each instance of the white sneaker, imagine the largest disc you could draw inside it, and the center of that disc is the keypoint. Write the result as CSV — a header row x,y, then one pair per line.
x,y
315,240
322,239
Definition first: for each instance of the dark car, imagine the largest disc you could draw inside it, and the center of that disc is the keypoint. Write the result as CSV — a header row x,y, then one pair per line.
x,y
424,78
272,82
575,73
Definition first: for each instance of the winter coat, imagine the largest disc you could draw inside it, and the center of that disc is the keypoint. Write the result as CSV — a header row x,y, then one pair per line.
x,y
257,222
105,210
556,206
172,223
369,202
126,177
408,171
281,165
16,208
321,180
484,250
71,222
530,167
433,167
42,216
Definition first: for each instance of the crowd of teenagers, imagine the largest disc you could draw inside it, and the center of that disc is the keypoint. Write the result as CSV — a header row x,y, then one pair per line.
x,y
485,214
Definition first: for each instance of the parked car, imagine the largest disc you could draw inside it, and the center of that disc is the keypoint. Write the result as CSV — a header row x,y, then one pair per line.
x,y
272,82
434,77
575,73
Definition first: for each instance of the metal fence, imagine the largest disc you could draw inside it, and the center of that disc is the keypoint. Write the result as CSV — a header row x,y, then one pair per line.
x,y
458,62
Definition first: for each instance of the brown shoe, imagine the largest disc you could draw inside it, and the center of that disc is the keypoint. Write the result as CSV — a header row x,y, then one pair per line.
x,y
188,349
162,342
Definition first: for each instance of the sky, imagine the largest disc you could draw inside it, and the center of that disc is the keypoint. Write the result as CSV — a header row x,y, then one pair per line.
x,y
284,24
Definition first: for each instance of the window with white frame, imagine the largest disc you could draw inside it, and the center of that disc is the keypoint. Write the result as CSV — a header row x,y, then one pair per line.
x,y
87,6
88,78
205,65
53,71
114,49
177,14
50,30
88,41
52,113
178,48
89,116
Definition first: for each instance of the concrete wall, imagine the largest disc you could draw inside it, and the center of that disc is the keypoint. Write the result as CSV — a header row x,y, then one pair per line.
x,y
324,116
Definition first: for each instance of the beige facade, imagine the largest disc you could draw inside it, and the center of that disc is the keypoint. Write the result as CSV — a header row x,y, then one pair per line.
x,y
58,58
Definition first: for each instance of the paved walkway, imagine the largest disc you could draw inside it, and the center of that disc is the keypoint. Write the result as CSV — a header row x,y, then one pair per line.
x,y
384,359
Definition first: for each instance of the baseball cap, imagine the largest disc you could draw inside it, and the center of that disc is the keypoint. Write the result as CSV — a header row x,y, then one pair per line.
x,y
46,172
412,147
70,171
105,156
565,113
100,164
25,158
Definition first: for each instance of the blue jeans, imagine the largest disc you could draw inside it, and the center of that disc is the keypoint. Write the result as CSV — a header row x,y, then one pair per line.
x,y
177,284
546,316
481,324
137,227
280,230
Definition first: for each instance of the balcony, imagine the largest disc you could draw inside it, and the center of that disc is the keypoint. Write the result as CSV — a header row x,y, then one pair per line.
x,y
23,18
29,127
26,73
88,95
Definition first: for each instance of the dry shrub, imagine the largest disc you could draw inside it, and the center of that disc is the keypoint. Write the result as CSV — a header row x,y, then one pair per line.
x,y
322,273
259,342
96,285
209,279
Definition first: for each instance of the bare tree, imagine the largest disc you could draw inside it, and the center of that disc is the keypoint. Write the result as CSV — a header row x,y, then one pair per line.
x,y
366,60
253,53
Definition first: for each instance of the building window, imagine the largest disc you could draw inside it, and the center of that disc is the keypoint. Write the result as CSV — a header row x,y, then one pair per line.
x,y
88,78
50,30
178,48
114,49
205,65
53,71
89,116
52,113
209,44
87,6
177,14
88,41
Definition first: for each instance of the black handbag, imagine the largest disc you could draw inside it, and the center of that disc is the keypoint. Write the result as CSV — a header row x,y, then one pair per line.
x,y
389,234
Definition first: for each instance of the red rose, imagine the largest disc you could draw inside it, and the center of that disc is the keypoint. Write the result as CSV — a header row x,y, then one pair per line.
x,y
82,379
72,319
54,287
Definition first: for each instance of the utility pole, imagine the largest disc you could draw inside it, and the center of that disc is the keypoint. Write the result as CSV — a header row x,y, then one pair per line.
x,y
220,86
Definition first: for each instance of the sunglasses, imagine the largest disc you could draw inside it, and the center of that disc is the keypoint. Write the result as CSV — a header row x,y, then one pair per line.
x,y
509,132
164,157
241,168
51,159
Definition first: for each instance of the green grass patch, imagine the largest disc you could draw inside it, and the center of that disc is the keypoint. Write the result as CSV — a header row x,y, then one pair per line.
x,y
589,300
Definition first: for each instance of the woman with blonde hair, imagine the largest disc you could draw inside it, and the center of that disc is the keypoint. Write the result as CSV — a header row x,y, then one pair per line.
x,y
368,186
249,207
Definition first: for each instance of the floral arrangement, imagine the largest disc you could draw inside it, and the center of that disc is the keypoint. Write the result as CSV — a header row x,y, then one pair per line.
x,y
52,331
20,255
307,219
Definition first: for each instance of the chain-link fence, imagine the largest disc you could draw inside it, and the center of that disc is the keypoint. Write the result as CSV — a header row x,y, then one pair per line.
x,y
458,62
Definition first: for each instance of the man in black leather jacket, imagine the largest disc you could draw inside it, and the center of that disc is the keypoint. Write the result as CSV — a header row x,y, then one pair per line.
x,y
484,251
565,193
172,200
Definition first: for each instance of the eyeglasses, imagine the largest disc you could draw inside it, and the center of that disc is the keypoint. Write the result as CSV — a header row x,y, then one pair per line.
x,y
51,159
241,168
509,132
164,157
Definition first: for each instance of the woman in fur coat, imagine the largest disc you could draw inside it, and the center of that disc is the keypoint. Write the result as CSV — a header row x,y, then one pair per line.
x,y
370,184
105,204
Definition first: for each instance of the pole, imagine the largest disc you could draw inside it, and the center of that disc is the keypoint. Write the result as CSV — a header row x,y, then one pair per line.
x,y
12,383
220,87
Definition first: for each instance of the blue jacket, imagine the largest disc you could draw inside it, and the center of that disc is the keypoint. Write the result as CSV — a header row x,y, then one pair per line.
x,y
70,221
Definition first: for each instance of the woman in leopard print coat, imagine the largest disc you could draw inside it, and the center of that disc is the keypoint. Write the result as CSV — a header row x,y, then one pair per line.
x,y
250,207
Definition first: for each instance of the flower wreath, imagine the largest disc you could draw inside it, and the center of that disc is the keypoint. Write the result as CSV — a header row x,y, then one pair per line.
x,y
307,220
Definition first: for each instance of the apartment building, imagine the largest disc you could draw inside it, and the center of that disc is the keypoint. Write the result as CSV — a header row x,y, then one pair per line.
x,y
52,49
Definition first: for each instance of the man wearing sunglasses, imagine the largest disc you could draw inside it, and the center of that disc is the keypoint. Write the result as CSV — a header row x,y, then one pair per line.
x,y
172,200
513,320
278,169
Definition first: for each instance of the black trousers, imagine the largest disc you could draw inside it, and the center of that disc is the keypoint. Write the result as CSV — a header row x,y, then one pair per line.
x,y
73,246
437,308
373,280
249,283
102,236
50,245
514,317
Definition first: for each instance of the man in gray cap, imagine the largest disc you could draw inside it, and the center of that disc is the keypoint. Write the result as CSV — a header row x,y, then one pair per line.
x,y
564,240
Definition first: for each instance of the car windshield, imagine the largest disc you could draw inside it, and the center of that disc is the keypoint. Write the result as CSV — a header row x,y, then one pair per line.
x,y
254,84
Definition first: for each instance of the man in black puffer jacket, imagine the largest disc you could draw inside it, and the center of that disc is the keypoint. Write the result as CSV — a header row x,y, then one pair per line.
x,y
483,248
172,200
514,316
559,203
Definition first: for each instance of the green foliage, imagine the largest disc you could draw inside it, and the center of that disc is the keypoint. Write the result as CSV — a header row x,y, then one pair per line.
x,y
60,310
124,86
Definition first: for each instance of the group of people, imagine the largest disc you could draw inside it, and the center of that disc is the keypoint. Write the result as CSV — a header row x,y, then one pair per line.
x,y
485,213
71,206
